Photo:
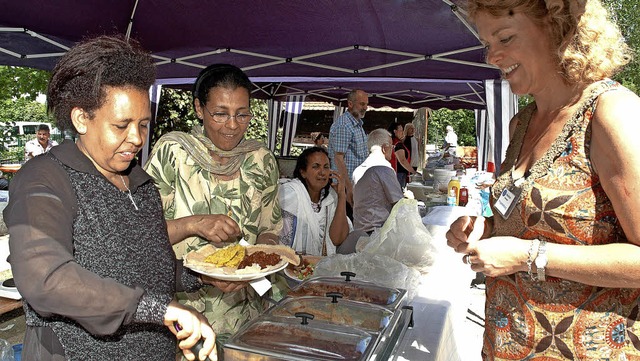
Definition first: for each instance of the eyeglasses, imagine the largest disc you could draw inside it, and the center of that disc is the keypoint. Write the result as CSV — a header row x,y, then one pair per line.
x,y
220,117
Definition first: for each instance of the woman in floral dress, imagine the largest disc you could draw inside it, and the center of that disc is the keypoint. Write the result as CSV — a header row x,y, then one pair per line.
x,y
561,252
217,187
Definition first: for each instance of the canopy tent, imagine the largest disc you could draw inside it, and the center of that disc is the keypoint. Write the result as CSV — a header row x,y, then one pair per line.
x,y
404,52
411,53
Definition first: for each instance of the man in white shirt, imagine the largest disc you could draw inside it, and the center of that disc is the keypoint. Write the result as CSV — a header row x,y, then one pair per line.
x,y
376,189
41,144
452,140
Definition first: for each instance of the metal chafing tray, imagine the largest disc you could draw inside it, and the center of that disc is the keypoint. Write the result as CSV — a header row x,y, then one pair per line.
x,y
276,338
328,327
361,291
371,318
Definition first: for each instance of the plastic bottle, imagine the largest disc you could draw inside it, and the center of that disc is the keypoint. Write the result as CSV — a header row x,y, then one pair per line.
x,y
454,185
451,198
463,199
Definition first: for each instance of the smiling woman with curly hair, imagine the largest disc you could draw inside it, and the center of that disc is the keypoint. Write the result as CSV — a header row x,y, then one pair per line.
x,y
561,253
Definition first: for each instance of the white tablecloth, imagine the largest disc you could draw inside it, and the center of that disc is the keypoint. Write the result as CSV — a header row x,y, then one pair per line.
x,y
440,306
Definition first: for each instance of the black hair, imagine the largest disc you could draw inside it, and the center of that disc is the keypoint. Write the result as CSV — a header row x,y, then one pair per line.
x,y
80,77
219,75
303,162
391,129
43,127
318,137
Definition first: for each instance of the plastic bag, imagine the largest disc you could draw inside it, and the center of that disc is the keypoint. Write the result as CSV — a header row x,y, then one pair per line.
x,y
403,237
4,200
6,351
378,269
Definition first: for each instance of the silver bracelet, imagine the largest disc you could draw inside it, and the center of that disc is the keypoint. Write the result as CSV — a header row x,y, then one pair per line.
x,y
541,261
535,243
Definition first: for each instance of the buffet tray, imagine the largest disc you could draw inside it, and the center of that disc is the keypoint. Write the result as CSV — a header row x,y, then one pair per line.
x,y
355,290
341,328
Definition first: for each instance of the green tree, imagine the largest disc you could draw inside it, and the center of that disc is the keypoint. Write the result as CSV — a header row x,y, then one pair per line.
x,y
626,15
258,128
462,120
20,82
23,110
175,112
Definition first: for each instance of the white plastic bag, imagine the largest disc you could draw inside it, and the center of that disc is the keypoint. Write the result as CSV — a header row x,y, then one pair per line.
x,y
403,237
4,200
6,351
378,269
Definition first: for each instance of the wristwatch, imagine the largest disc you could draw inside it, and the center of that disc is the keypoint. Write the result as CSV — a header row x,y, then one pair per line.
x,y
541,261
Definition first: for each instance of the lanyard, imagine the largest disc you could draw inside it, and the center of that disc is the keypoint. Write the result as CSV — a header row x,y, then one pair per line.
x,y
509,197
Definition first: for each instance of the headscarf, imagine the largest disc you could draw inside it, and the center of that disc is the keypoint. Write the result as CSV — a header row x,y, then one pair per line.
x,y
194,141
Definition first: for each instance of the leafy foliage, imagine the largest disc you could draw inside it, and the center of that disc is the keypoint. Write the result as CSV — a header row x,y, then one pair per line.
x,y
23,110
462,120
258,128
626,15
175,112
19,82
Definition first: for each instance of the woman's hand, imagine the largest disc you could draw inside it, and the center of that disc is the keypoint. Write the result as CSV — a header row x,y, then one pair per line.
x,y
189,326
224,286
497,256
215,228
463,231
339,185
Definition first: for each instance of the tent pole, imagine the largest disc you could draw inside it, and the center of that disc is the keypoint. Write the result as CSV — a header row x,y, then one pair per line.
x,y
133,12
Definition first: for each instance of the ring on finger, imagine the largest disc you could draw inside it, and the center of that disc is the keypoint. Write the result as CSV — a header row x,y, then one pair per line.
x,y
466,259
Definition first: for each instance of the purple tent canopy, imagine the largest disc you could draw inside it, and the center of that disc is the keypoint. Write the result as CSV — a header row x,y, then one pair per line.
x,y
411,53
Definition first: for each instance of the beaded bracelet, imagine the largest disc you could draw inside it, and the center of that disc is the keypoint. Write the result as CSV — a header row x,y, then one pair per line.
x,y
535,243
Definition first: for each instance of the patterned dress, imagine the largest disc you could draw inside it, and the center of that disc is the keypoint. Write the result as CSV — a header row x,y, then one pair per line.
x,y
562,202
250,199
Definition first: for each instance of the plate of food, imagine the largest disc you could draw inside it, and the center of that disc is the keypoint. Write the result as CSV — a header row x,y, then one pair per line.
x,y
240,263
303,270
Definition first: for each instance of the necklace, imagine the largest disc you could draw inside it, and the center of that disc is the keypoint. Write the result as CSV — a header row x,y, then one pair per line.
x,y
129,192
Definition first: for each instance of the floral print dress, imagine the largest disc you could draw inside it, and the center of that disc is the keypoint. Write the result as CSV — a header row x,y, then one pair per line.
x,y
251,200
563,202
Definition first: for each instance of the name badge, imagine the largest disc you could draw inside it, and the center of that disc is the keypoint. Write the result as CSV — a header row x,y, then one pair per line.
x,y
507,201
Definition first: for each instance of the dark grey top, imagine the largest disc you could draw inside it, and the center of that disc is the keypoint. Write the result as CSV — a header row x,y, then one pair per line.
x,y
373,198
96,274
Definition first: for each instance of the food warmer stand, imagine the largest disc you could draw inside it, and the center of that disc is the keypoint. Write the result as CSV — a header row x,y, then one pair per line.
x,y
327,318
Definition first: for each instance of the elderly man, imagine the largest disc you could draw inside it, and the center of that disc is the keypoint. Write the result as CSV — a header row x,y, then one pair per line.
x,y
41,144
347,139
376,189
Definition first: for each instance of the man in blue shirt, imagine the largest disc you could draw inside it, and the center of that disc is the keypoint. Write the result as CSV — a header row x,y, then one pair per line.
x,y
347,140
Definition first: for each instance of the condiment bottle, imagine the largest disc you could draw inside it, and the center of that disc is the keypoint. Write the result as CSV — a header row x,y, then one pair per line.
x,y
464,197
451,198
454,185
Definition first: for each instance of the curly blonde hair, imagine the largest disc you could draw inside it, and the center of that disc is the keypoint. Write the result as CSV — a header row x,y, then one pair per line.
x,y
588,45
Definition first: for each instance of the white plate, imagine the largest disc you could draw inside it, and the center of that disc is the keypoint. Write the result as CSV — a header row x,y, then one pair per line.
x,y
239,277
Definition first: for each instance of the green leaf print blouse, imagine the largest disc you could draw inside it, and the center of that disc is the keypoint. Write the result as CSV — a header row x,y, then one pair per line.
x,y
251,200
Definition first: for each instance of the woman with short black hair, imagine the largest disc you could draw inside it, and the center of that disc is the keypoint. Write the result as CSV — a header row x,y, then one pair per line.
x,y
90,252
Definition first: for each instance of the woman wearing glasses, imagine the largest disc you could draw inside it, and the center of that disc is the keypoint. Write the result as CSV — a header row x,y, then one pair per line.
x,y
216,187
